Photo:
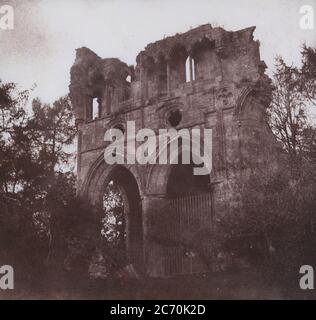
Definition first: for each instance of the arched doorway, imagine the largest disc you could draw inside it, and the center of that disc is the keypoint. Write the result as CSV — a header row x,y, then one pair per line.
x,y
121,223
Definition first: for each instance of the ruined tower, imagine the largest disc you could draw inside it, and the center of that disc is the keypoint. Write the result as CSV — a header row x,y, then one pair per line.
x,y
204,78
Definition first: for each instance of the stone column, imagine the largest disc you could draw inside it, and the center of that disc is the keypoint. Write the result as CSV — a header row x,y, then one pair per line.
x,y
106,100
143,78
191,69
153,251
80,101
168,77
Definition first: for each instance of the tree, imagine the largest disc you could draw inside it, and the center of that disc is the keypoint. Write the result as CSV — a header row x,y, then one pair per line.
x,y
12,108
53,129
307,74
32,146
13,118
34,169
287,113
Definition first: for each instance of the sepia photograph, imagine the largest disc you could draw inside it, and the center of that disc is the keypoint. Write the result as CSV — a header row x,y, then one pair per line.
x,y
157,150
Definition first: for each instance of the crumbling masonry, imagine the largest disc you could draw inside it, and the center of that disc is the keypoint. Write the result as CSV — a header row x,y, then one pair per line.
x,y
204,78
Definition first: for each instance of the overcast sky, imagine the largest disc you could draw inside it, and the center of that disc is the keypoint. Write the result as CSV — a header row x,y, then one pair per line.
x,y
41,48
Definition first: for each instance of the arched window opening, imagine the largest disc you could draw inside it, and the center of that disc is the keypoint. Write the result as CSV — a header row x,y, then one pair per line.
x,y
96,108
129,79
189,69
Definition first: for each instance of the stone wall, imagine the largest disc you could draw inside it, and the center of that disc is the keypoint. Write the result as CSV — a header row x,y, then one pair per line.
x,y
226,90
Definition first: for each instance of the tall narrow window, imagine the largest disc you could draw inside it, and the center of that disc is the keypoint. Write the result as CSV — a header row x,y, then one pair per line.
x,y
95,108
189,69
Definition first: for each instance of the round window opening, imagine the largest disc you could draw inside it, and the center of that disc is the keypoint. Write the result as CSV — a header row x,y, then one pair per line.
x,y
174,117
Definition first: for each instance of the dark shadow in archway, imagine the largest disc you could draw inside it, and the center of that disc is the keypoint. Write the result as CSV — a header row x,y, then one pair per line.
x,y
182,181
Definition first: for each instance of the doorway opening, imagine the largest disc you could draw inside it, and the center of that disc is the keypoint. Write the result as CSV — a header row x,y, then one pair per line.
x,y
121,223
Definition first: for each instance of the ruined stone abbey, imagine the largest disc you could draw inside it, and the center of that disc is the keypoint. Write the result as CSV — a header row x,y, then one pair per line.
x,y
204,78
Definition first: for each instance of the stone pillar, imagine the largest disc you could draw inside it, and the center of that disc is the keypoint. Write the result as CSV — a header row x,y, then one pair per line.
x,y
88,107
168,77
106,100
143,84
191,69
143,78
81,102
153,250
